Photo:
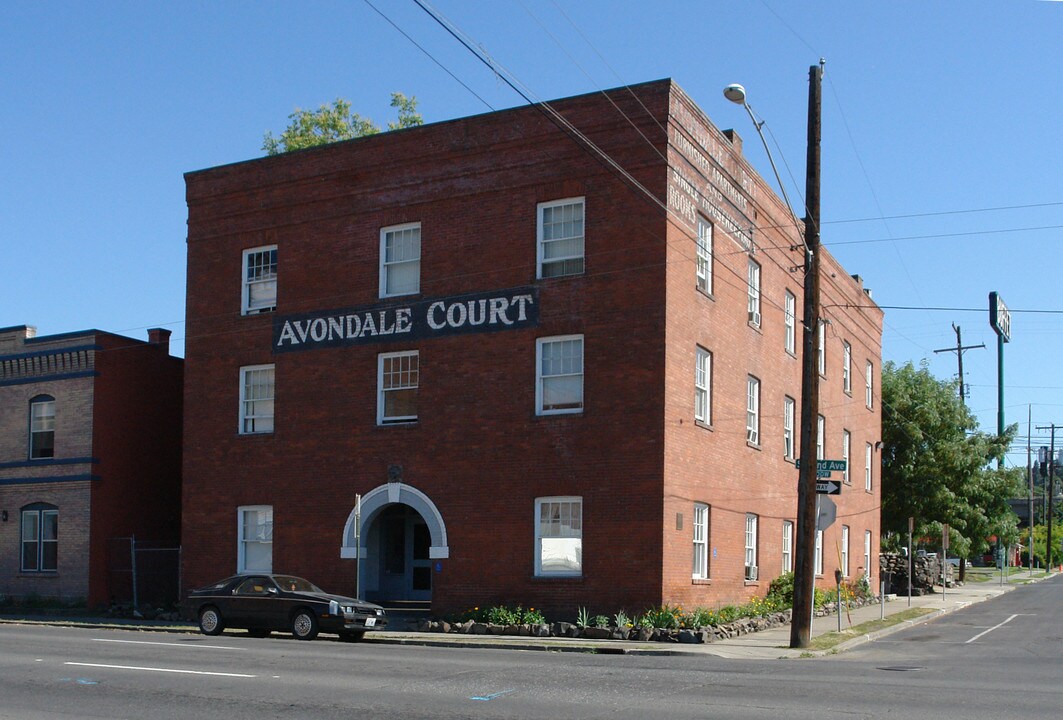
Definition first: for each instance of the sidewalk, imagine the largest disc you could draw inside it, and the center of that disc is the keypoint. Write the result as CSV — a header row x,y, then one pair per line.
x,y
764,645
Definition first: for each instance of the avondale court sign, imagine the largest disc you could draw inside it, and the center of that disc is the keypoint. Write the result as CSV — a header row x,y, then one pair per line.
x,y
511,309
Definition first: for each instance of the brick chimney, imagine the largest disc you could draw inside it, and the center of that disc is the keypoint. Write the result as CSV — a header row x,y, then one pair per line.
x,y
160,337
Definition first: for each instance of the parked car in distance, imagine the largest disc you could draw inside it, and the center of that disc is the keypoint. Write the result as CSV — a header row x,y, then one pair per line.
x,y
261,603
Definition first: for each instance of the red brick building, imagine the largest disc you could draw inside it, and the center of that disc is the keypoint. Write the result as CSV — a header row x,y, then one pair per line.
x,y
90,449
557,356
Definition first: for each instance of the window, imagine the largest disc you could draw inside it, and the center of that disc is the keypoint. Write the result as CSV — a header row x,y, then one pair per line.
x,y
558,536
787,546
821,348
790,322
847,440
753,410
40,538
42,427
559,380
867,466
847,368
398,376
704,269
260,280
703,386
819,553
256,399
845,551
754,293
400,260
869,373
751,546
560,231
867,553
820,437
788,426
701,542
255,553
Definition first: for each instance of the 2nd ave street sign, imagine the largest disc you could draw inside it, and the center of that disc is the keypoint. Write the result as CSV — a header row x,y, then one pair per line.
x,y
828,487
827,465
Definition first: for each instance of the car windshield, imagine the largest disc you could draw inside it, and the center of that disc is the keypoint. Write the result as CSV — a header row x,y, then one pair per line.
x,y
291,583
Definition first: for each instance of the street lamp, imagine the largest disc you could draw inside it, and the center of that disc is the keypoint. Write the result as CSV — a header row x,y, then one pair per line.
x,y
804,568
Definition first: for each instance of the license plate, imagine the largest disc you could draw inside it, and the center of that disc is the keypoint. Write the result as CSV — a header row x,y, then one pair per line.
x,y
370,622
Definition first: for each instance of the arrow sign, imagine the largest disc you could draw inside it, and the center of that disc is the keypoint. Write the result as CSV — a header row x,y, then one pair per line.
x,y
828,487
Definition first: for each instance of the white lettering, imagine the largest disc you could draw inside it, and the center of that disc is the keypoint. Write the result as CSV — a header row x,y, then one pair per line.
x,y
384,329
499,307
430,315
462,315
402,320
354,326
302,330
335,328
318,329
521,300
482,306
287,334
368,325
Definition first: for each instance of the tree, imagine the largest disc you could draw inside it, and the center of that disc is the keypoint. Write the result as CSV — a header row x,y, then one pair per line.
x,y
936,465
309,128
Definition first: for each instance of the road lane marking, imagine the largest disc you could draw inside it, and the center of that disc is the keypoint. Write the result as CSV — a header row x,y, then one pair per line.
x,y
184,645
162,670
986,632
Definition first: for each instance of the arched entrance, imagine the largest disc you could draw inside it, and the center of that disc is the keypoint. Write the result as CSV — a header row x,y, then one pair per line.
x,y
402,539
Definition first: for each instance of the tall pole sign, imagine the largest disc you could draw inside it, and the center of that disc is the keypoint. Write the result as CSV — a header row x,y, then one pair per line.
x,y
1000,321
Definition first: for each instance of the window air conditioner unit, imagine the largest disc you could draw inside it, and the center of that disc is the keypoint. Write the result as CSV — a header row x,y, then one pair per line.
x,y
754,317
751,572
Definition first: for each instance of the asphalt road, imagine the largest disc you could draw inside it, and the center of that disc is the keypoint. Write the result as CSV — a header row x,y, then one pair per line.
x,y
999,659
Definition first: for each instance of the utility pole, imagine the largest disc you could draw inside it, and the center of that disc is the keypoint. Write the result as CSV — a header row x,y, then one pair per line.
x,y
805,567
960,347
1051,492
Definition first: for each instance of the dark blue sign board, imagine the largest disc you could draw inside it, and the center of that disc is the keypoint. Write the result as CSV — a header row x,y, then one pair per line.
x,y
390,322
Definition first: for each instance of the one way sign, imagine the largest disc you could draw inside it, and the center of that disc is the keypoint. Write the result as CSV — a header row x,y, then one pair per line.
x,y
828,487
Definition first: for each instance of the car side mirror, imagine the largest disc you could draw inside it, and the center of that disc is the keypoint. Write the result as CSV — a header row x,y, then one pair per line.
x,y
272,591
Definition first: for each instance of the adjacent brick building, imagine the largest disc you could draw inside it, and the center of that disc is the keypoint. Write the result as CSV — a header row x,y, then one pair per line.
x,y
90,449
555,350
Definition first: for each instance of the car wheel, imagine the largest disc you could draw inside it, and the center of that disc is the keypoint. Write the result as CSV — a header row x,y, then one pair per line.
x,y
210,622
304,625
352,635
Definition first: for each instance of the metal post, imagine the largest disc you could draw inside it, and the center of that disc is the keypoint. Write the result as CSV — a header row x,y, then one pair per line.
x,y
133,562
911,522
838,582
358,544
882,600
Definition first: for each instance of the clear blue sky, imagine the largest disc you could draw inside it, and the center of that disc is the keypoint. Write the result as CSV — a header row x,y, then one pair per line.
x,y
937,116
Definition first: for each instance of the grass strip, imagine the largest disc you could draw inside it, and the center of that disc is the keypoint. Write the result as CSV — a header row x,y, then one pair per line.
x,y
832,639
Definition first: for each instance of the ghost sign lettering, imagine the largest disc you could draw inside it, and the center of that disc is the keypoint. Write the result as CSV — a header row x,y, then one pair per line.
x,y
512,309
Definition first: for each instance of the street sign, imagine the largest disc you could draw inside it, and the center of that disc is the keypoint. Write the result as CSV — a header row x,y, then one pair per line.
x,y
825,465
828,487
828,511
822,473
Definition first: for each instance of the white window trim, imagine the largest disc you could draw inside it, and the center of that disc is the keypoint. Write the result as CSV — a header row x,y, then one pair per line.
x,y
539,343
868,458
384,231
700,569
821,437
847,367
753,304
818,569
540,243
703,384
704,259
789,413
750,550
381,419
243,389
241,549
867,553
41,424
847,446
245,283
869,384
845,551
790,321
787,546
752,410
821,349
539,537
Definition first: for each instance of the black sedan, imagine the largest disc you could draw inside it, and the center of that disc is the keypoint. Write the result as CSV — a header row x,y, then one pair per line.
x,y
262,603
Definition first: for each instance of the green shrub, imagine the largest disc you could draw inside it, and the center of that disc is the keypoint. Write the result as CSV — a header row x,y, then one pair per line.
x,y
781,590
